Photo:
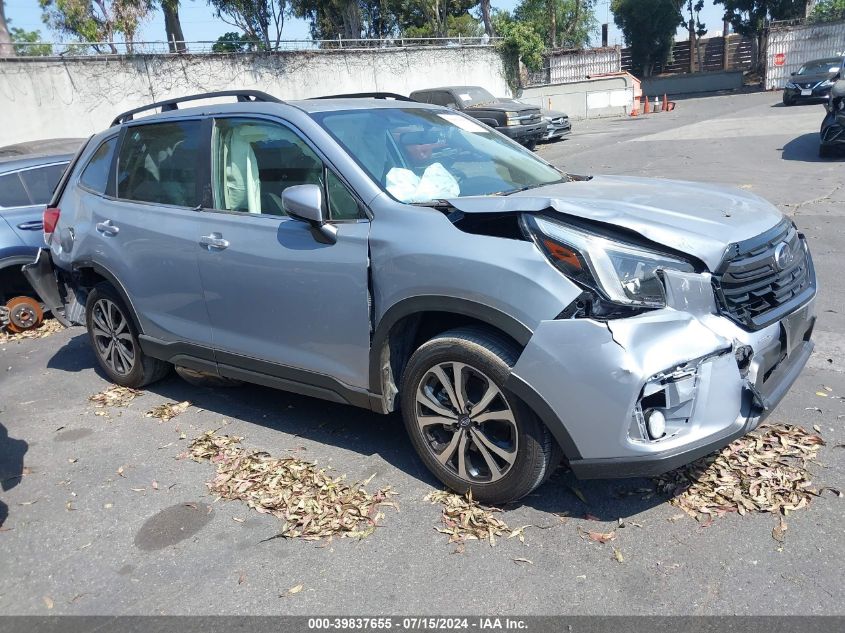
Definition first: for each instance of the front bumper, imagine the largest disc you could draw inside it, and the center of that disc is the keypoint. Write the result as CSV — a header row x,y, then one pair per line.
x,y
523,133
591,381
816,93
557,130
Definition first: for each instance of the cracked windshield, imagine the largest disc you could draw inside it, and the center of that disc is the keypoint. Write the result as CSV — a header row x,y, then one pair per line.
x,y
420,155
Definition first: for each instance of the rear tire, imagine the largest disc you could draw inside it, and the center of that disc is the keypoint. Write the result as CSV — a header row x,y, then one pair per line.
x,y
470,431
114,338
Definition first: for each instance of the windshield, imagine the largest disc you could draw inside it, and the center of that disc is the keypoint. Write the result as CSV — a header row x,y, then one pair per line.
x,y
472,95
821,67
420,156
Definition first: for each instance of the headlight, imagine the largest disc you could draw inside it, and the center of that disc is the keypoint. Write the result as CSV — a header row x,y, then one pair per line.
x,y
826,83
791,85
622,273
512,118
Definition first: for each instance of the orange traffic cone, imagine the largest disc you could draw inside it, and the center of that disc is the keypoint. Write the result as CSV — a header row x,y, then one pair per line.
x,y
647,107
635,109
665,102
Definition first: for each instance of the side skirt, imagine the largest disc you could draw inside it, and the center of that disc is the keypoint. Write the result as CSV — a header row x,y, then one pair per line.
x,y
259,372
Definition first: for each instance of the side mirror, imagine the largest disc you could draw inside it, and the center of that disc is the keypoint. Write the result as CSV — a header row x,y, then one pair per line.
x,y
792,74
305,203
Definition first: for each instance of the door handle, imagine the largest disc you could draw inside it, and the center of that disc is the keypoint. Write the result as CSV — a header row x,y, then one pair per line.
x,y
107,228
215,240
35,225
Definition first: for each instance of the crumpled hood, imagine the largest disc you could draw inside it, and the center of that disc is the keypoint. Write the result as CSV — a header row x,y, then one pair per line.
x,y
694,218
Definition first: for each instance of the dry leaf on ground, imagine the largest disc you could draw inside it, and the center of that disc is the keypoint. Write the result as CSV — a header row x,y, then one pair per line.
x,y
465,519
764,471
168,410
598,537
210,446
48,327
310,502
114,396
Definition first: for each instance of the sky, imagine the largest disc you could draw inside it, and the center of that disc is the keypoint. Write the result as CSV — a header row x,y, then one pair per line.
x,y
199,23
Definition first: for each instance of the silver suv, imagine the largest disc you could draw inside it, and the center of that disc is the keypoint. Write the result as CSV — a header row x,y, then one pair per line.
x,y
402,256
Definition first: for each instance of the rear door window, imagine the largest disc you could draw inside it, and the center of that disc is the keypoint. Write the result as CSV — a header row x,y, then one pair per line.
x,y
159,163
41,181
12,192
96,174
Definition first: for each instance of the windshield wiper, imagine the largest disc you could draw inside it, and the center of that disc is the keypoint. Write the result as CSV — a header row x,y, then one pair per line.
x,y
527,187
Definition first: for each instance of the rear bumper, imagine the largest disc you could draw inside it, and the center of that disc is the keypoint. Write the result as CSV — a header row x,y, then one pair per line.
x,y
42,277
593,382
832,130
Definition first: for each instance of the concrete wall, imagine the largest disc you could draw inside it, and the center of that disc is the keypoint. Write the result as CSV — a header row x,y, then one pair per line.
x,y
692,83
48,98
588,99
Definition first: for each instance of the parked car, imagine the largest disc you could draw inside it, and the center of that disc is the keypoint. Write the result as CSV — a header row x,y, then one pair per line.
x,y
558,125
394,255
27,181
812,82
519,121
832,133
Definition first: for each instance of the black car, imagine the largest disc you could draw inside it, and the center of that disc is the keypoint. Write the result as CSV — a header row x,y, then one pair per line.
x,y
813,80
519,121
832,134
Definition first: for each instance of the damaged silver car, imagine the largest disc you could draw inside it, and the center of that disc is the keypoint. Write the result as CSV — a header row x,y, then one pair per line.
x,y
402,256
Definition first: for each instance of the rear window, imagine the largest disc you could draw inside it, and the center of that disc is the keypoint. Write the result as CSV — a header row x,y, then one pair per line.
x,y
158,163
41,181
96,174
12,193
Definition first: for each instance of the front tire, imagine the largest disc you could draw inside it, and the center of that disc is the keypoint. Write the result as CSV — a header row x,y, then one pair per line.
x,y
468,429
114,338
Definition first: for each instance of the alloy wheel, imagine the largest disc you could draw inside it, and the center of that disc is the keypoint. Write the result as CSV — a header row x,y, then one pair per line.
x,y
466,422
112,337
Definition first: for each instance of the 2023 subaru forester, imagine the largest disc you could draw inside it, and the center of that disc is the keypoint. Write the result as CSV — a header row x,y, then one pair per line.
x,y
394,255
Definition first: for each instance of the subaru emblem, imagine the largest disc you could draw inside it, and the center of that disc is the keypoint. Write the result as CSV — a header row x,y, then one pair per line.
x,y
783,255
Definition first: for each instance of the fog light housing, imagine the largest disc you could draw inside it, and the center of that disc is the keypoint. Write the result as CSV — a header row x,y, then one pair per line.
x,y
655,424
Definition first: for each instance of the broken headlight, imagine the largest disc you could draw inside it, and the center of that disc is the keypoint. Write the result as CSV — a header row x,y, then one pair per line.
x,y
622,273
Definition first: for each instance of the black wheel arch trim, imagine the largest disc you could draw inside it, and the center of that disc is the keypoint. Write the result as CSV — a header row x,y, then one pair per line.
x,y
419,304
544,411
105,273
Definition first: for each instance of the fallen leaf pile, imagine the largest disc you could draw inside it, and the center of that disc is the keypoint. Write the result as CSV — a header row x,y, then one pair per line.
x,y
114,396
211,447
764,471
48,327
168,410
311,503
464,519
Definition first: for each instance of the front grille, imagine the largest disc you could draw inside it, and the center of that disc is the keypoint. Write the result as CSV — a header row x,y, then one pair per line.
x,y
754,289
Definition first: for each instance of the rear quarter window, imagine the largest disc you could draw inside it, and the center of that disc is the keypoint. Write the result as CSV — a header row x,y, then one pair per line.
x,y
95,176
41,181
12,192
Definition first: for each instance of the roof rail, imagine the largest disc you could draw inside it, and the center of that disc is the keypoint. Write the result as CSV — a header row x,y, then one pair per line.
x,y
368,95
172,104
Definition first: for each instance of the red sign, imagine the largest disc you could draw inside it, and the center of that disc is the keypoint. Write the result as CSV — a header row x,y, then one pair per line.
x,y
780,59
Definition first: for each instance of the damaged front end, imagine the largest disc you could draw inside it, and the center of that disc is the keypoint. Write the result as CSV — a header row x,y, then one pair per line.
x,y
689,360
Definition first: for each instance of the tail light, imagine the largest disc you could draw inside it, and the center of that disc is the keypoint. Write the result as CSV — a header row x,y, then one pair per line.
x,y
51,219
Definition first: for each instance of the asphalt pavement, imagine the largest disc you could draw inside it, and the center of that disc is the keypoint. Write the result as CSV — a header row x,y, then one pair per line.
x,y
88,531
